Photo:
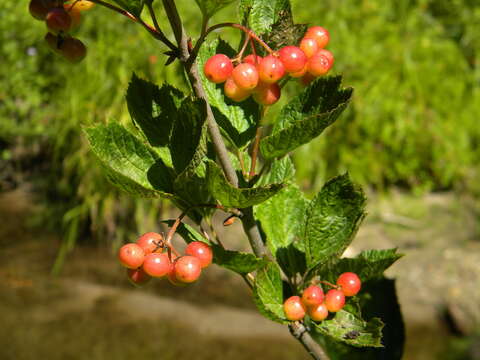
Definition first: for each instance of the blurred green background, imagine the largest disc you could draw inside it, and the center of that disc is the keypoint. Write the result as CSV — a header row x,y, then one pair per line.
x,y
411,129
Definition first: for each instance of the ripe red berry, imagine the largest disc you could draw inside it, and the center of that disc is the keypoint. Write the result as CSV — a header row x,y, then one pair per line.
x,y
349,283
156,264
218,68
294,309
149,242
251,59
171,275
138,276
201,251
187,269
312,296
327,54
271,69
320,34
319,64
234,92
53,41
245,76
40,8
334,300
299,74
131,256
58,20
267,94
292,58
318,312
309,46
73,50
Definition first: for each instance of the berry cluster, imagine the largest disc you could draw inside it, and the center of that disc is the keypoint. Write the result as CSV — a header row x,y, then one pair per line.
x,y
61,17
150,256
317,304
257,76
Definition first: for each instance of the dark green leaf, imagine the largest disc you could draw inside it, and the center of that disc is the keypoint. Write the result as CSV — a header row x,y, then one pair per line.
x,y
153,109
306,116
262,14
237,120
368,265
210,7
268,293
347,328
130,164
132,6
231,196
240,262
332,220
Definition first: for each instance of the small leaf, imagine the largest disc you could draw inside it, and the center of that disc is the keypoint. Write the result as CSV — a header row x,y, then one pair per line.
x,y
231,196
306,116
349,329
153,109
262,14
281,171
237,120
268,293
134,7
130,164
333,218
240,262
284,31
210,7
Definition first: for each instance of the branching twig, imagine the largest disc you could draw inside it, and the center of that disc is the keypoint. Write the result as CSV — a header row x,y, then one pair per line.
x,y
299,332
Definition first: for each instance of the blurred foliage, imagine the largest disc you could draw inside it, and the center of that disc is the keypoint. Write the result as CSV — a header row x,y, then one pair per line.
x,y
414,65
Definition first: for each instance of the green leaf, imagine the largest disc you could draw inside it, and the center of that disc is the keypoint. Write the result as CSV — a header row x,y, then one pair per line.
x,y
262,14
236,120
347,328
130,164
240,262
153,109
210,7
231,196
187,232
306,116
132,6
332,220
281,171
268,293
368,265
188,141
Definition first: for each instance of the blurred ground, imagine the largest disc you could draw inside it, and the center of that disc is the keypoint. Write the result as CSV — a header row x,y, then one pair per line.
x,y
92,312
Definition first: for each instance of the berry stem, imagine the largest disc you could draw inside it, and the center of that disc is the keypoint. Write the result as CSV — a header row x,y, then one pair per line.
x,y
238,58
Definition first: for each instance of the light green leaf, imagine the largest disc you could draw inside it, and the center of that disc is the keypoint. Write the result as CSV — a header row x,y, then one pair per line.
x,y
134,7
268,293
210,7
281,171
240,262
231,196
306,116
262,14
332,220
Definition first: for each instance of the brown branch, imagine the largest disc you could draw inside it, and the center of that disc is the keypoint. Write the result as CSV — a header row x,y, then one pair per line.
x,y
299,332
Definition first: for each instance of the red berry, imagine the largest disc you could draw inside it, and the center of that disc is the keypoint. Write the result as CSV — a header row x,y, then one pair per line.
x,y
292,58
318,312
218,68
293,308
271,69
349,283
319,64
131,256
234,92
309,46
251,59
171,275
73,50
40,8
267,94
138,276
54,42
320,34
299,74
58,20
245,76
201,251
149,242
74,12
327,54
312,296
157,264
334,300
187,269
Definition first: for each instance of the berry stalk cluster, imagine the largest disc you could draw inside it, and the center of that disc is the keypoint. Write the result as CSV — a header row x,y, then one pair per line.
x,y
318,305
151,256
258,76
61,17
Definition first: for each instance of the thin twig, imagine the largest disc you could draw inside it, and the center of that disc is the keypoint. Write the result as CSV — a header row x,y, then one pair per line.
x,y
299,332
258,135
